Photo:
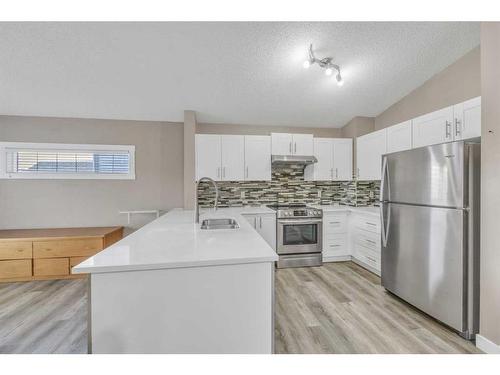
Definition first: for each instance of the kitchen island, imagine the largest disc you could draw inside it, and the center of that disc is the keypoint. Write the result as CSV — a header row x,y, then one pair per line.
x,y
172,287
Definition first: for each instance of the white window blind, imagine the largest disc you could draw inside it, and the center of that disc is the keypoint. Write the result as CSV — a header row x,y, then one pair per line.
x,y
32,160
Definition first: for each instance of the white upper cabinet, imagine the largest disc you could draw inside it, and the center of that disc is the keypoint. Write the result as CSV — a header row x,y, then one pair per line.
x,y
369,151
232,157
281,143
291,144
208,156
432,128
467,122
342,159
257,158
303,144
220,157
399,137
323,169
334,160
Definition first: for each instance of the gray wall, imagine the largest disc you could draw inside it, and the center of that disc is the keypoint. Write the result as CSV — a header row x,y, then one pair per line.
x,y
458,82
490,181
203,128
66,203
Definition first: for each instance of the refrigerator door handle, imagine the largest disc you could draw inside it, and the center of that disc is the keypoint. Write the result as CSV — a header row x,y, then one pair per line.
x,y
385,172
384,228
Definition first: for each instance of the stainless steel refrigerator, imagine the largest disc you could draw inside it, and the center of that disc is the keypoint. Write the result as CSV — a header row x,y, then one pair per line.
x,y
430,200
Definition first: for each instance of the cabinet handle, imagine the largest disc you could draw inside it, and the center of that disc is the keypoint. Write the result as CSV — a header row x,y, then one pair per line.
x,y
372,259
260,219
255,222
370,223
457,124
370,241
290,147
336,173
447,133
218,172
358,172
331,173
334,222
334,245
247,172
223,172
295,148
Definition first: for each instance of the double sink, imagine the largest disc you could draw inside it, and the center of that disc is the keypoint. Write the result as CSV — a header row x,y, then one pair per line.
x,y
219,224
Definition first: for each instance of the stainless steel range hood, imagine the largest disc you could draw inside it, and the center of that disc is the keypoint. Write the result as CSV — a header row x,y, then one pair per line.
x,y
293,159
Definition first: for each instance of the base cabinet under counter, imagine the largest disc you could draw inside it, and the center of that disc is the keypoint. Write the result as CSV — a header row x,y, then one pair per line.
x,y
351,235
44,254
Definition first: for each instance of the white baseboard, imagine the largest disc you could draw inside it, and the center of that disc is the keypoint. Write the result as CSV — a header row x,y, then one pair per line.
x,y
486,345
337,258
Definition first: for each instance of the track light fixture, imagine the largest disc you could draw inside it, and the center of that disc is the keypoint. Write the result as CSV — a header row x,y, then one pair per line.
x,y
325,63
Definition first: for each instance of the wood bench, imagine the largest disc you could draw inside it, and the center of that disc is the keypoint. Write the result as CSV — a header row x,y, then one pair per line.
x,y
44,254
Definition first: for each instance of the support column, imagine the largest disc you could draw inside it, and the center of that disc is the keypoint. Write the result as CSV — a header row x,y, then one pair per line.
x,y
189,159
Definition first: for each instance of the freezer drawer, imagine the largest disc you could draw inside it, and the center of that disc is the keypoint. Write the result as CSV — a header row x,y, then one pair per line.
x,y
423,259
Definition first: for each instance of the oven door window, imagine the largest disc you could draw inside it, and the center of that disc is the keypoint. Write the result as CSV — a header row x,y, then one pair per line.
x,y
300,234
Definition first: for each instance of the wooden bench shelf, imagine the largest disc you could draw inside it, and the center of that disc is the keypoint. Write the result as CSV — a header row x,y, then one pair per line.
x,y
44,254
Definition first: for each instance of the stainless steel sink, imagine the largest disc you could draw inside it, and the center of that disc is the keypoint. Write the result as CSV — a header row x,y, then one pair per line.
x,y
219,224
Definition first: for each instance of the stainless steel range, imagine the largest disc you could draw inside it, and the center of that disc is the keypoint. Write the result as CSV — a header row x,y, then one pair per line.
x,y
299,235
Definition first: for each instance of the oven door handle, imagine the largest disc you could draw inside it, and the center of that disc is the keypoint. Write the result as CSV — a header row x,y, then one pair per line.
x,y
292,222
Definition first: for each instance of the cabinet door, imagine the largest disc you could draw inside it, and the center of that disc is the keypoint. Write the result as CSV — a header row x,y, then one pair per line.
x,y
369,151
208,156
399,137
233,157
266,226
252,219
257,158
302,144
323,150
467,122
281,144
342,159
433,128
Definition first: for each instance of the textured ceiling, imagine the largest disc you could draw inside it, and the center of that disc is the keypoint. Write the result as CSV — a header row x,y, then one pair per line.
x,y
241,73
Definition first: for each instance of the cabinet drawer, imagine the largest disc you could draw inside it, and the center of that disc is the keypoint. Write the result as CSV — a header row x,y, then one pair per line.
x,y
369,260
73,261
51,267
10,269
362,252
16,250
369,223
335,223
367,239
335,245
67,248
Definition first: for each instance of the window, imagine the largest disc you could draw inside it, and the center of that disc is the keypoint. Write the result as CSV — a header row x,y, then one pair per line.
x,y
66,161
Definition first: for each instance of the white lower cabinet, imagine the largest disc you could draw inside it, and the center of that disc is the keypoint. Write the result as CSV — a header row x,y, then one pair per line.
x,y
335,247
349,235
265,225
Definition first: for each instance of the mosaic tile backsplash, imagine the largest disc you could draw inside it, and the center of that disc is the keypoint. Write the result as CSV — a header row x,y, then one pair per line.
x,y
287,185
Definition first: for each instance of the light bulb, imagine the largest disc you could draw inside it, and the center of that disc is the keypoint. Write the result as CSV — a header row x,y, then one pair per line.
x,y
340,81
329,71
306,64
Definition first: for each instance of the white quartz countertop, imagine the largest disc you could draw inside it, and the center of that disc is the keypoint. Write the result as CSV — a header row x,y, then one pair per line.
x,y
174,241
369,210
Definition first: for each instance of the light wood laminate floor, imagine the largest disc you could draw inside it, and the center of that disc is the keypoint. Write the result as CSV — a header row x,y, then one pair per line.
x,y
342,308
43,317
337,308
